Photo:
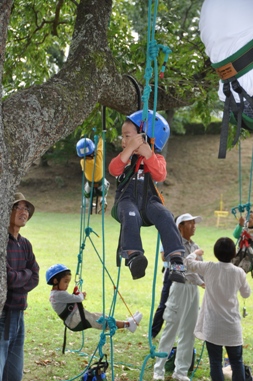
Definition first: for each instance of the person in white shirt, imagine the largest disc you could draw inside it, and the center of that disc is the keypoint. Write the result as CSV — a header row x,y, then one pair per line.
x,y
181,310
219,320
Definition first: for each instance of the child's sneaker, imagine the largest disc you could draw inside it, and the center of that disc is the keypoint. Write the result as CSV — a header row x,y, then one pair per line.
x,y
134,321
177,273
137,264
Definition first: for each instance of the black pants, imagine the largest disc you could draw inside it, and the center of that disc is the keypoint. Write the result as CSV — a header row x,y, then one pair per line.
x,y
158,317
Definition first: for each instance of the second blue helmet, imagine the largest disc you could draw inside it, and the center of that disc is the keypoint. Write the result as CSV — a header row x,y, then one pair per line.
x,y
85,147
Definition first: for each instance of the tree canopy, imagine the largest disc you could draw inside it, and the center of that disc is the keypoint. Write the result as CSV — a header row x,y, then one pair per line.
x,y
61,60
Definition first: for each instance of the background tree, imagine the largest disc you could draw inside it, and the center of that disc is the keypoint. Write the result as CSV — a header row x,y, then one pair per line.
x,y
59,60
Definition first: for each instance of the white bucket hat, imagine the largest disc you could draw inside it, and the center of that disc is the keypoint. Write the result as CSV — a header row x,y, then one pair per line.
x,y
187,217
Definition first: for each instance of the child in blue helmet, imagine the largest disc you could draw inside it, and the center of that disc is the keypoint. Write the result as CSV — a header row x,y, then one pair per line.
x,y
85,149
137,199
67,305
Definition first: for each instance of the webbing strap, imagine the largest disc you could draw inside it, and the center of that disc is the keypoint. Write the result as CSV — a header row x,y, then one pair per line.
x,y
67,311
237,64
230,105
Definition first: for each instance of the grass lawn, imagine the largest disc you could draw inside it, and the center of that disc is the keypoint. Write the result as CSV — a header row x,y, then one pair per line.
x,y
56,239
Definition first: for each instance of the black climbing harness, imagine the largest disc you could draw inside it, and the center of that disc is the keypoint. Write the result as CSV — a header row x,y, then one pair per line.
x,y
149,187
84,323
240,114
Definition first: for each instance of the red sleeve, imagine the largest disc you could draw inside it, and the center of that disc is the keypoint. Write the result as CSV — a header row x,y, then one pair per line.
x,y
116,166
157,167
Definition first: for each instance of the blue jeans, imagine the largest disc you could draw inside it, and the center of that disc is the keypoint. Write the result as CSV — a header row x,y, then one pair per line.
x,y
131,221
235,359
158,317
12,349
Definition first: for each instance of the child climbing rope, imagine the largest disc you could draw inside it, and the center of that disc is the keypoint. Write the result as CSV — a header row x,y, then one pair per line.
x,y
137,200
244,233
86,148
67,305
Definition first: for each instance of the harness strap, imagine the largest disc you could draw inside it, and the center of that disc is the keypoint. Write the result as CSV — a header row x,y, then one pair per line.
x,y
67,311
237,64
229,70
85,324
64,340
230,105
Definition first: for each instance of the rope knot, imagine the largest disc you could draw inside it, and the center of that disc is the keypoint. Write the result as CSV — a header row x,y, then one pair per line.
x,y
154,354
111,322
89,230
153,49
146,92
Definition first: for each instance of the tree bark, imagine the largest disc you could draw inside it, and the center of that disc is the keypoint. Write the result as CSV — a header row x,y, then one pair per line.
x,y
32,120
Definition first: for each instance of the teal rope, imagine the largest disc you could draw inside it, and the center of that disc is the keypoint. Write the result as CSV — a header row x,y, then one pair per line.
x,y
107,322
153,353
151,56
243,207
198,362
103,224
240,174
85,233
250,182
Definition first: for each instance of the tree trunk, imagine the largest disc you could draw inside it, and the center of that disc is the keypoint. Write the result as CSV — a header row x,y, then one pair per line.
x,y
32,120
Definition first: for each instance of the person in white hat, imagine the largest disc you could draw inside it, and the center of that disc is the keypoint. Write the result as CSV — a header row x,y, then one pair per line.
x,y
181,310
22,277
158,316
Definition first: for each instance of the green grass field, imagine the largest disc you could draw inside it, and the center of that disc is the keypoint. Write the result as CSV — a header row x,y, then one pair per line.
x,y
56,239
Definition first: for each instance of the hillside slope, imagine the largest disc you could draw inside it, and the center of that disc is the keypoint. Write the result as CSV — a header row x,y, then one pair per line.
x,y
195,182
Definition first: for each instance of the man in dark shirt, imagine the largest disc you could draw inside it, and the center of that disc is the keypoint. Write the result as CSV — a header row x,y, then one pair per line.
x,y
22,277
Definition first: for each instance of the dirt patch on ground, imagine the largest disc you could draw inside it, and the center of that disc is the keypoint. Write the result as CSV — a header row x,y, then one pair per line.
x,y
195,182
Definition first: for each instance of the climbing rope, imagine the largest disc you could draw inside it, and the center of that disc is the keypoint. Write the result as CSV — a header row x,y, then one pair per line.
x,y
241,208
86,232
152,53
152,353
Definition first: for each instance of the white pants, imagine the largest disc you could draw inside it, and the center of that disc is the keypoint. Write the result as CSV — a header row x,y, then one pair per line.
x,y
98,190
180,316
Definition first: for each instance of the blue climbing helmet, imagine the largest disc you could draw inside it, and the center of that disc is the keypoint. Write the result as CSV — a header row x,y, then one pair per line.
x,y
161,128
85,147
53,271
